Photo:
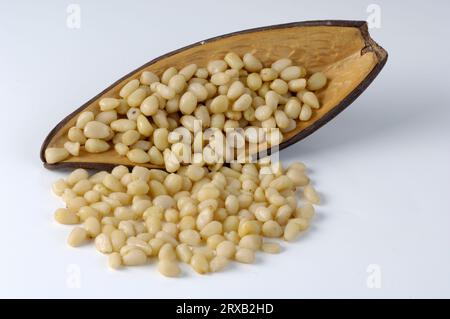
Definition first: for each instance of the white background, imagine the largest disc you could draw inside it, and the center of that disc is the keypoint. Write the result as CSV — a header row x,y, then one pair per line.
x,y
382,166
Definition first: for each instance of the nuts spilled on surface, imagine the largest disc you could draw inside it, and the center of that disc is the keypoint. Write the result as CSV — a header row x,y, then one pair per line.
x,y
198,216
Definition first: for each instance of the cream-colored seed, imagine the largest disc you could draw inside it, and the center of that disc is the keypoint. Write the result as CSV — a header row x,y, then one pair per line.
x,y
108,103
54,155
115,260
130,137
96,146
84,118
92,226
226,249
150,105
242,103
291,231
263,112
311,99
166,252
190,237
75,134
143,126
113,183
251,63
297,85
148,78
317,81
253,242
272,229
121,149
59,187
279,86
188,103
307,211
134,257
199,263
77,237
73,148
129,88
311,195
216,66
291,73
218,263
234,61
281,64
66,217
254,81
245,255
103,244
268,74
123,125
271,248
169,268
138,156
305,113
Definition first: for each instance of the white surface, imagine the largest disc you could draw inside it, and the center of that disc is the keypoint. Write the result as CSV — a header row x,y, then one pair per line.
x,y
382,165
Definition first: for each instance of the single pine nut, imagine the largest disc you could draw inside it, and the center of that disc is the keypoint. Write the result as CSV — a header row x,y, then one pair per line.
x,y
103,244
108,103
66,217
218,263
129,88
77,237
134,257
188,103
317,81
115,260
199,263
253,242
305,113
147,78
291,73
272,229
311,195
251,63
291,231
75,134
92,226
73,148
311,99
54,155
84,118
96,146
281,64
245,255
271,248
234,61
169,268
123,125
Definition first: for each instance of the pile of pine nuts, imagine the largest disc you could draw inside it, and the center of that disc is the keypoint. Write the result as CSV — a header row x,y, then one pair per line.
x,y
198,216
142,122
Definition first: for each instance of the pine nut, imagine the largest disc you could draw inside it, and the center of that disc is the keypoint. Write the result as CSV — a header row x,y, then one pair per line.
x,y
169,268
317,81
245,255
96,146
77,237
134,257
108,103
311,195
54,155
218,263
66,217
271,248
199,263
115,260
